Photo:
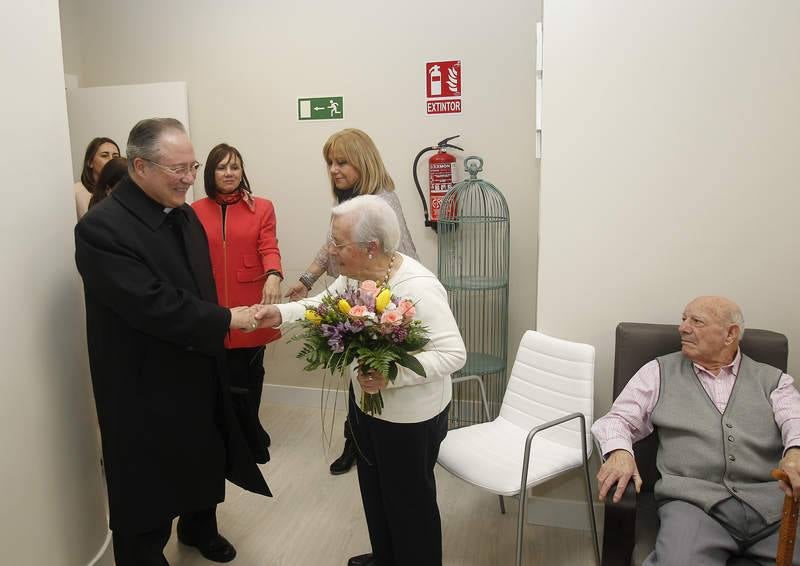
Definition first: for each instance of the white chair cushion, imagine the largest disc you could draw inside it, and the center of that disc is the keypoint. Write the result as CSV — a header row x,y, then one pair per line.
x,y
489,455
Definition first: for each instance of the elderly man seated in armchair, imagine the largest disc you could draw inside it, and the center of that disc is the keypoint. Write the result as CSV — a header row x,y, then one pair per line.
x,y
723,422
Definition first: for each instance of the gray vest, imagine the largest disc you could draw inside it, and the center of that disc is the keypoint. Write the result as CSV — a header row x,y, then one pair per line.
x,y
704,456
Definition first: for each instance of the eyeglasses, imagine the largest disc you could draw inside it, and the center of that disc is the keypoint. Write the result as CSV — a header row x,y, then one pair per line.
x,y
180,170
332,243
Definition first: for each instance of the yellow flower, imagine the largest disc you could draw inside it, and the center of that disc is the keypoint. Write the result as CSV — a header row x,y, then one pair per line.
x,y
313,317
382,300
344,306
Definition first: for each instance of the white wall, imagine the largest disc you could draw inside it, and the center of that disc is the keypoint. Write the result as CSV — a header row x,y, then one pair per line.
x,y
112,110
71,30
53,508
670,166
246,63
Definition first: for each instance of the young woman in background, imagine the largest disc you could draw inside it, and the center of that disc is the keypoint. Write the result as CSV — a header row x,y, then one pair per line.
x,y
111,174
99,152
243,245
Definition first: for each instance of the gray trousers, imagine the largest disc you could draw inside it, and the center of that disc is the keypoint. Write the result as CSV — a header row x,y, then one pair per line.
x,y
689,535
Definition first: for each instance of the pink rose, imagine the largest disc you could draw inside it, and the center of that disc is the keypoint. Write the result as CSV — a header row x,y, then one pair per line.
x,y
367,291
369,286
392,317
358,311
406,307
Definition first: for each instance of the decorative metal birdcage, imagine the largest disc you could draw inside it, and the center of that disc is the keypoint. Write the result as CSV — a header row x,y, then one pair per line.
x,y
473,266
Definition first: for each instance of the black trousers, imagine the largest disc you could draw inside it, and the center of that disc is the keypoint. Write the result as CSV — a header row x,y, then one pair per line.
x,y
147,549
351,399
398,488
246,367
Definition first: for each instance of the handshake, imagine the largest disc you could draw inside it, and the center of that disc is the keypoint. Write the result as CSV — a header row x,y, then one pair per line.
x,y
248,319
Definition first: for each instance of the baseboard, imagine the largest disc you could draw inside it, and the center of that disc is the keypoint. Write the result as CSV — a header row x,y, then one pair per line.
x,y
104,556
302,396
293,396
562,513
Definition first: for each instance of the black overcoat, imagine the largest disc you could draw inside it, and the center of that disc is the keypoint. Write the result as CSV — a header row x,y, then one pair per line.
x,y
155,337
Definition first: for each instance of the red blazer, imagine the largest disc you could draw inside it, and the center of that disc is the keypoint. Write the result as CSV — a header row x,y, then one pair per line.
x,y
241,257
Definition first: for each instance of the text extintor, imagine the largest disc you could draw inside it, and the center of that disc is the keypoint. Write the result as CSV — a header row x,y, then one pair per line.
x,y
443,87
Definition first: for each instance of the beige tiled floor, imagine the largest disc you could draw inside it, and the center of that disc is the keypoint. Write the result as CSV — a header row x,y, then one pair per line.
x,y
316,519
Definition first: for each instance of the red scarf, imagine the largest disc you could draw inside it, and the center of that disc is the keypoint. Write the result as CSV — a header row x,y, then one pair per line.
x,y
236,196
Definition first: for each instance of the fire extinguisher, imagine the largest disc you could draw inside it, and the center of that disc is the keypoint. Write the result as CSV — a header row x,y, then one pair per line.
x,y
441,177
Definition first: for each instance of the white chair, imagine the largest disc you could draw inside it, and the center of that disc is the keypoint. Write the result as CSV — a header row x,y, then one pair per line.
x,y
551,388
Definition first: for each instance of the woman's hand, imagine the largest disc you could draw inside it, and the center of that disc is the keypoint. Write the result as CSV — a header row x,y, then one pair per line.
x,y
267,316
296,292
271,293
371,381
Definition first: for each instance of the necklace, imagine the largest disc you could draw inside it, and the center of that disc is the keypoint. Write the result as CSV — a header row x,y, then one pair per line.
x,y
388,271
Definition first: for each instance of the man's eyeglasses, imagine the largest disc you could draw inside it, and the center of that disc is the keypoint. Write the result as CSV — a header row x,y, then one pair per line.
x,y
179,170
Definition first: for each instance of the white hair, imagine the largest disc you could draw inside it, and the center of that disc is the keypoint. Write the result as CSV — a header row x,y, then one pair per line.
x,y
374,221
737,318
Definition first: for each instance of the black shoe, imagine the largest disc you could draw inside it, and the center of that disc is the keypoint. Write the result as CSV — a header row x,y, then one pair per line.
x,y
217,549
343,463
267,439
362,560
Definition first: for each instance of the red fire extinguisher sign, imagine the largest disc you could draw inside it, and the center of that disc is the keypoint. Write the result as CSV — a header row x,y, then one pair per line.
x,y
443,87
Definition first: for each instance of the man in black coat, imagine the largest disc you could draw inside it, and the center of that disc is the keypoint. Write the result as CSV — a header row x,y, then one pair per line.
x,y
155,337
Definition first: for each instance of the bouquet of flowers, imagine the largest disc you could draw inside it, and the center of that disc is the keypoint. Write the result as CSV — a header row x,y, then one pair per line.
x,y
368,325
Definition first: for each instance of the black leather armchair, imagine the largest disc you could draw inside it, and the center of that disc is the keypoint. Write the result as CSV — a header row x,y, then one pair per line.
x,y
631,525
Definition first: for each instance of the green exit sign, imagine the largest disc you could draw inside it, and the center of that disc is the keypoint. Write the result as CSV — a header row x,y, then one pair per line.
x,y
324,108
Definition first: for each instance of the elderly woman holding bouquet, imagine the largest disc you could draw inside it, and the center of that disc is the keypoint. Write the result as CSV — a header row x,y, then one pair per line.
x,y
399,417
355,168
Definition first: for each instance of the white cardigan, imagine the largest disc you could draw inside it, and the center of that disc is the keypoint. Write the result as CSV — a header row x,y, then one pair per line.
x,y
410,398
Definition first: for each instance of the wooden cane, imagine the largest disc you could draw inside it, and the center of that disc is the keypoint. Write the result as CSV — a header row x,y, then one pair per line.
x,y
788,530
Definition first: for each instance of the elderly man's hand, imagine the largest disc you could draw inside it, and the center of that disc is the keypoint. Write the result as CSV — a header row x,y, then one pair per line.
x,y
371,381
618,469
242,319
790,463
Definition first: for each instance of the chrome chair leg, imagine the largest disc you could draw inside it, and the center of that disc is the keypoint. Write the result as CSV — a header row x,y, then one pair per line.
x,y
589,501
523,501
527,457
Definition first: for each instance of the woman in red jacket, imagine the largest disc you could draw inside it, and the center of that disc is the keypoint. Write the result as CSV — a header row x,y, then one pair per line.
x,y
247,270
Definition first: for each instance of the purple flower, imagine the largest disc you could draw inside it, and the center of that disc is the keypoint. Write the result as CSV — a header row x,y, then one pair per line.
x,y
366,299
399,334
350,295
354,326
334,334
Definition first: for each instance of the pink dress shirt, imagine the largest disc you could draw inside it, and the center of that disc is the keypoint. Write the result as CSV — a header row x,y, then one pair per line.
x,y
629,419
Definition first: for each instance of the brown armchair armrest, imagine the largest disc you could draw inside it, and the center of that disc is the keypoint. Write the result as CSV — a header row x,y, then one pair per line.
x,y
619,532
788,530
